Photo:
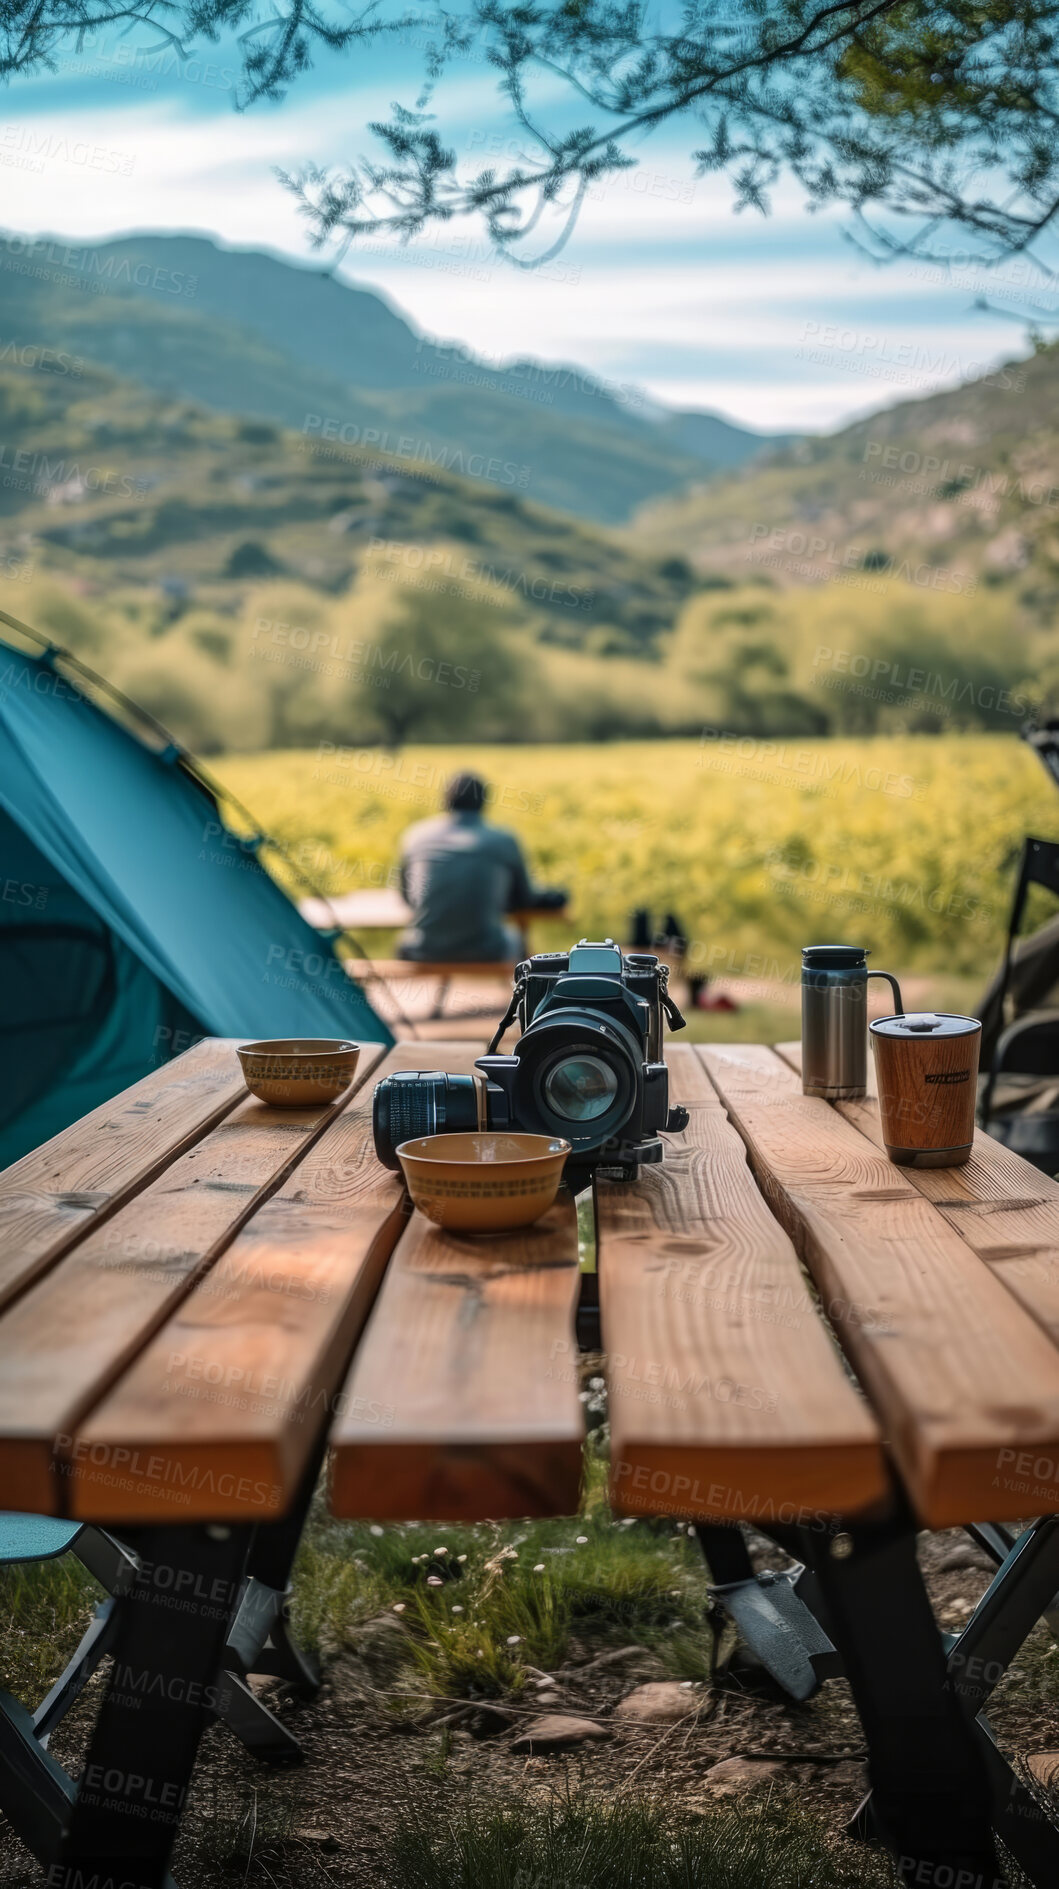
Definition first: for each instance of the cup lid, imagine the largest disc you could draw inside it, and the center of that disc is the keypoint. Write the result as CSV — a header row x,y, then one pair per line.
x,y
839,957
925,1024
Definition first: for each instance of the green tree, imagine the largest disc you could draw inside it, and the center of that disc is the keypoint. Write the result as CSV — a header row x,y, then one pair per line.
x,y
438,666
917,114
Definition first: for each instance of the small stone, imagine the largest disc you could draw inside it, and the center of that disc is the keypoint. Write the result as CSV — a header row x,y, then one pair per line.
x,y
324,1839
383,1626
617,1659
734,1775
489,1719
659,1700
850,1776
963,1555
1044,1766
556,1728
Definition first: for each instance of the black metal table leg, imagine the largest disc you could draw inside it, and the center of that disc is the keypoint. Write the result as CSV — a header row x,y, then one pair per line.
x,y
171,1634
930,1792
725,1553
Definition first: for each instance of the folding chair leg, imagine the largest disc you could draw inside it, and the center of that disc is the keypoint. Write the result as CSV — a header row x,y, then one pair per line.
x,y
260,1640
111,1561
283,1658
439,1002
1020,1594
263,1734
95,1645
779,1615
35,1792
998,1542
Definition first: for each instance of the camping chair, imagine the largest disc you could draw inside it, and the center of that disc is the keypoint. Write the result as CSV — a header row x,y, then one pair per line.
x,y
39,1538
42,1792
45,1791
1028,1119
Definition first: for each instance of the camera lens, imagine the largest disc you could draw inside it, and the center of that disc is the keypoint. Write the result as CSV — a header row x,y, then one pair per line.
x,y
581,1088
420,1102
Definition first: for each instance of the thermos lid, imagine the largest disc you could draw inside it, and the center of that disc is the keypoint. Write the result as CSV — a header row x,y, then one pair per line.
x,y
926,1024
837,957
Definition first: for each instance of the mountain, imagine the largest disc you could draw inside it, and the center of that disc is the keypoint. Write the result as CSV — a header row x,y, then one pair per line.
x,y
952,491
117,489
259,587
249,333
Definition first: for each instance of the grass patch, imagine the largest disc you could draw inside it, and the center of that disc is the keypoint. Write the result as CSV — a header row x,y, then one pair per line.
x,y
579,1843
250,1827
46,1606
483,1603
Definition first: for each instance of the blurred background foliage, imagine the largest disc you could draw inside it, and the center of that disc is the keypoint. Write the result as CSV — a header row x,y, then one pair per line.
x,y
407,656
907,844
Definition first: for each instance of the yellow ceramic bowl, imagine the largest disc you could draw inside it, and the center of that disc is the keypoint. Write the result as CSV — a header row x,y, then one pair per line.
x,y
298,1071
483,1183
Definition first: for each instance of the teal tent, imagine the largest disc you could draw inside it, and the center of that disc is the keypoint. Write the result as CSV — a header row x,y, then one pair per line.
x,y
133,919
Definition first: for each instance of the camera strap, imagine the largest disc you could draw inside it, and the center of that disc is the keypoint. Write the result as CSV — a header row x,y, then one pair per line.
x,y
509,1016
673,1016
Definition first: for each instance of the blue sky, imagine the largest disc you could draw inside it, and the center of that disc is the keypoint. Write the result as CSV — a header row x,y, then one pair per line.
x,y
775,322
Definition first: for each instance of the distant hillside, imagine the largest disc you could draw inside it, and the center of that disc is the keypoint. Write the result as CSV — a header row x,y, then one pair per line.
x,y
115,487
248,333
951,491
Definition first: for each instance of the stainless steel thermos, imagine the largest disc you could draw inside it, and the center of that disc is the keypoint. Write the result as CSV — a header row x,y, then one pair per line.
x,y
835,1020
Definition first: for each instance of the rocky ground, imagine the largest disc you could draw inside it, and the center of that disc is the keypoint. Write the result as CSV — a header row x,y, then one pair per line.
x,y
609,1720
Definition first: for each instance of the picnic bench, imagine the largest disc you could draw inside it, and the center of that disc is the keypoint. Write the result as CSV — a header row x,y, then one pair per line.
x,y
200,1297
384,909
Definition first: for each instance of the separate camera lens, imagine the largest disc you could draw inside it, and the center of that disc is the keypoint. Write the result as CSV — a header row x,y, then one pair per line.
x,y
581,1089
420,1102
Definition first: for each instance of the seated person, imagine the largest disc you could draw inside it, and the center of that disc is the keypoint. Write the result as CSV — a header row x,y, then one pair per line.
x,y
462,877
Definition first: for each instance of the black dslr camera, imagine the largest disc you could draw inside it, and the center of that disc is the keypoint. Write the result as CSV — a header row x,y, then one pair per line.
x,y
587,1065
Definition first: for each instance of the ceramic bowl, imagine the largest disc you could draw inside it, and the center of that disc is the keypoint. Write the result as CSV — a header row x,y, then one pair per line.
x,y
298,1071
483,1183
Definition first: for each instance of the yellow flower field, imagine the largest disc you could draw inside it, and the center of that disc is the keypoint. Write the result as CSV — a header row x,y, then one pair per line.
x,y
905,844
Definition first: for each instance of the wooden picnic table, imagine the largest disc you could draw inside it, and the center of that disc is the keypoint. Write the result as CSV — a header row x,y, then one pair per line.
x,y
200,1296
384,908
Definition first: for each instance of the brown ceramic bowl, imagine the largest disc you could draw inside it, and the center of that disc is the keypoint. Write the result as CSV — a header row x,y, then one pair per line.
x,y
483,1183
299,1071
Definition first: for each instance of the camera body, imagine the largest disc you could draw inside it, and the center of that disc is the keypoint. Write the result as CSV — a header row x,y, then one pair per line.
x,y
588,1066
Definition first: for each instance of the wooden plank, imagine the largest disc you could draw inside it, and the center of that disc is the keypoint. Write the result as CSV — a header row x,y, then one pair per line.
x,y
728,1397
382,908
67,1339
470,1355
1005,1209
964,1381
406,970
222,1409
53,1194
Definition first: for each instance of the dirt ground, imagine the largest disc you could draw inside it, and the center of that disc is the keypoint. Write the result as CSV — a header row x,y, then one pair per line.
x,y
330,1820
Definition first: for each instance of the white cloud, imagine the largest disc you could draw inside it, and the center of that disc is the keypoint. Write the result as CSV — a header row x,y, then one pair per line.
x,y
660,285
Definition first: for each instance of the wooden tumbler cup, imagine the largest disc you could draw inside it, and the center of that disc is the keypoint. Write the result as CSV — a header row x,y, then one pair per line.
x,y
926,1067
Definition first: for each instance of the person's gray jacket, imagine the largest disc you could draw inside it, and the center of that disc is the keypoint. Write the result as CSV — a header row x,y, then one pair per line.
x,y
461,876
